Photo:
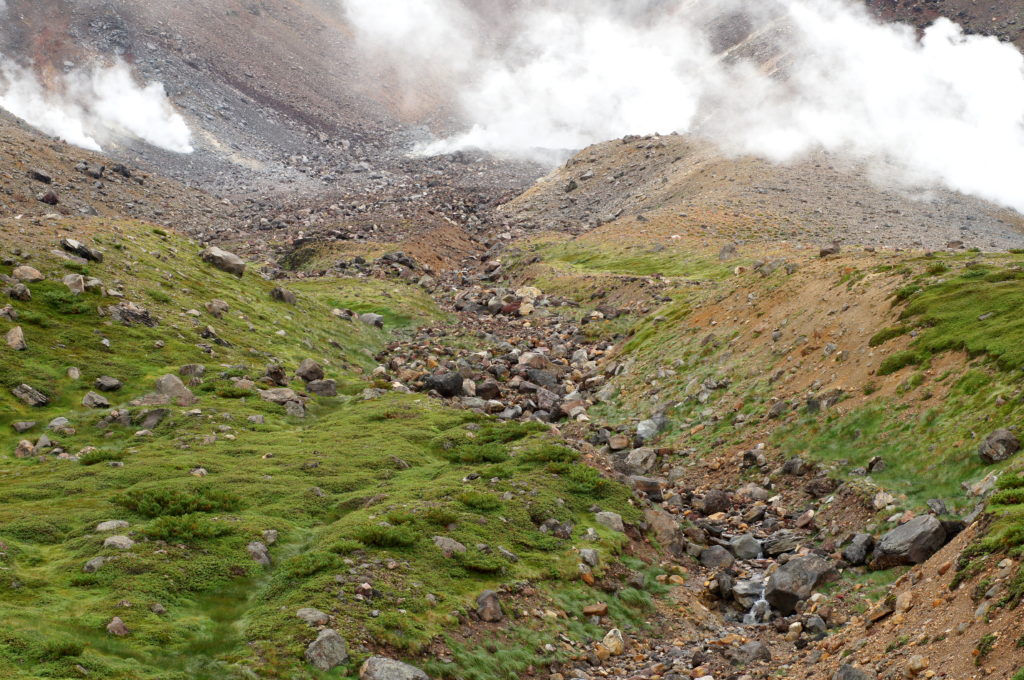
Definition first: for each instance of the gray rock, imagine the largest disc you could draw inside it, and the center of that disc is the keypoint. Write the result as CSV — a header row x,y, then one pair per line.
x,y
860,547
223,260
259,553
611,520
80,249
170,386
847,672
649,486
488,607
27,274
998,446
95,400
150,419
23,426
780,542
381,668
910,543
30,395
794,466
747,592
309,371
446,384
649,429
105,383
640,461
75,283
279,395
19,291
590,557
715,500
745,547
313,617
217,308
112,525
795,581
296,409
323,388
370,319
716,557
16,339
448,546
815,625
118,542
750,652
327,651
283,295
94,565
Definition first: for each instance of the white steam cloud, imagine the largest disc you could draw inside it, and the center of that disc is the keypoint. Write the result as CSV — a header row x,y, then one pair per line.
x,y
88,107
801,75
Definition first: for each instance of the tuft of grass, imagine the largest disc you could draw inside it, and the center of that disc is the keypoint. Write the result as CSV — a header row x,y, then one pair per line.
x,y
190,528
887,334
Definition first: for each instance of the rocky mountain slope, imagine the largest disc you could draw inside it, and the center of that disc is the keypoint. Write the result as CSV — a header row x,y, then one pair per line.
x,y
664,414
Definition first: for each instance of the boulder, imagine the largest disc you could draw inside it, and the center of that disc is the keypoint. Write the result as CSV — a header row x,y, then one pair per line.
x,y
30,396
283,295
223,260
860,547
80,249
323,388
488,607
111,525
714,501
217,308
117,627
716,557
105,383
795,581
910,543
745,547
27,274
382,668
16,339
640,461
279,395
75,283
446,384
610,520
370,319
95,400
313,617
309,371
750,652
118,542
998,446
170,386
24,449
327,651
259,553
448,546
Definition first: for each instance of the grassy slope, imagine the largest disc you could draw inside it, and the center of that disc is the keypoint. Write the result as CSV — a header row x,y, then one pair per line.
x,y
325,483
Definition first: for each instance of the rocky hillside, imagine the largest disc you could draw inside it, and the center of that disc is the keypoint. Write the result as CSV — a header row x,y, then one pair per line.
x,y
299,406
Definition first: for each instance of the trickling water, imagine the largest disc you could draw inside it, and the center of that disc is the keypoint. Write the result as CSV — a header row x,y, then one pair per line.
x,y
760,611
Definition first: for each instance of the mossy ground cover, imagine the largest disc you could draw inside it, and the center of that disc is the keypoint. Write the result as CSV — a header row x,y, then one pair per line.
x,y
356,490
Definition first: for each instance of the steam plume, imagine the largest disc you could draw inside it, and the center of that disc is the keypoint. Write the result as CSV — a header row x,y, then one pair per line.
x,y
89,107
945,108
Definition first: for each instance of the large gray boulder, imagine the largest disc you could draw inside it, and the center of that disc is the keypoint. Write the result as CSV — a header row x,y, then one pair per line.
x,y
910,543
488,607
223,260
640,461
309,370
382,668
795,581
716,557
998,446
174,389
327,651
447,384
29,395
860,547
745,547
